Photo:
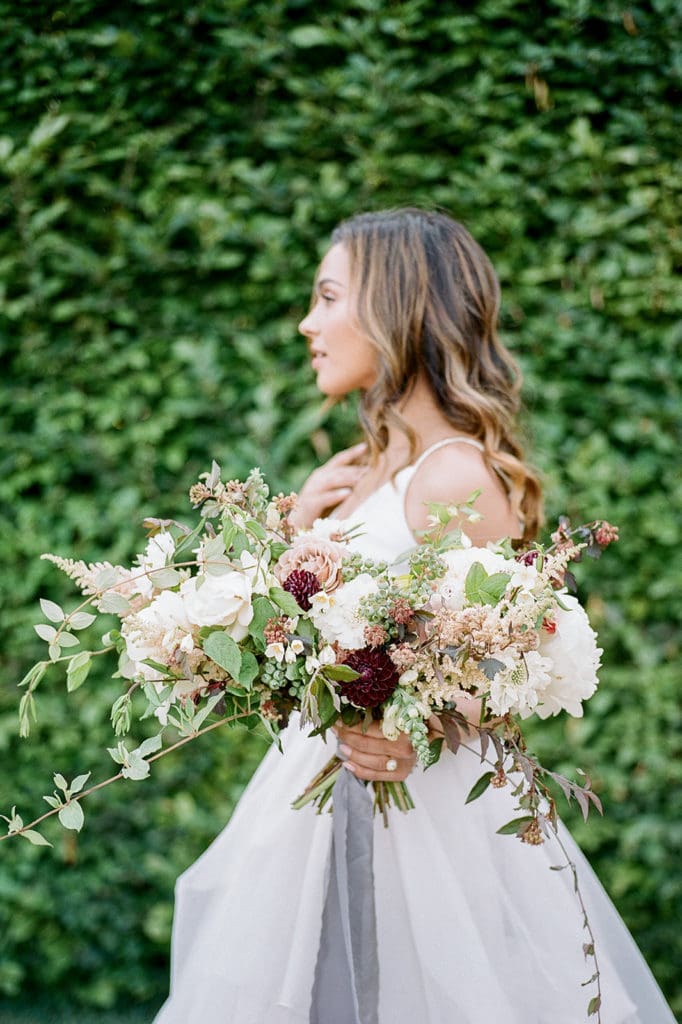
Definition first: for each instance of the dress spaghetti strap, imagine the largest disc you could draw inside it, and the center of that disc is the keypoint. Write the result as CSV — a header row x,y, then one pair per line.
x,y
441,444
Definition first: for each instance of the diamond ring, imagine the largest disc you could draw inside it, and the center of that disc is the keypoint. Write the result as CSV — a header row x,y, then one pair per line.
x,y
391,764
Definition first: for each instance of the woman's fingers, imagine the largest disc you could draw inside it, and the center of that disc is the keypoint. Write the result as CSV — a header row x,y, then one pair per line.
x,y
373,741
347,455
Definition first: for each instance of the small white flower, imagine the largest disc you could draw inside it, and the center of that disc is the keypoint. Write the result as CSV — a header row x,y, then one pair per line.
x,y
339,620
290,655
327,656
275,651
389,722
408,677
311,664
297,646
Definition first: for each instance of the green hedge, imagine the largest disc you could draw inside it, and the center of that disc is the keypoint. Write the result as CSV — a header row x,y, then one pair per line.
x,y
169,175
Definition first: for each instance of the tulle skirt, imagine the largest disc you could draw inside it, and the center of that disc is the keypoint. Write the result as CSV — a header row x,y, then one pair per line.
x,y
472,926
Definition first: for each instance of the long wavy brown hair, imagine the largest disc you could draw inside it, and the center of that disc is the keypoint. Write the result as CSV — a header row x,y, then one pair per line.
x,y
429,299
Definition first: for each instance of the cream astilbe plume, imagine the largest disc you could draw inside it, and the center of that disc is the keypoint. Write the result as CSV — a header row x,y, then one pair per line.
x,y
85,574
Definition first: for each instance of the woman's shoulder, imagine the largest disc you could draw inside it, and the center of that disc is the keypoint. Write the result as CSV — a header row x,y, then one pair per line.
x,y
449,475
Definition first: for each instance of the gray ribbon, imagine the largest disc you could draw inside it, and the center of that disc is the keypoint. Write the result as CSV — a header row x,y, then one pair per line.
x,y
346,985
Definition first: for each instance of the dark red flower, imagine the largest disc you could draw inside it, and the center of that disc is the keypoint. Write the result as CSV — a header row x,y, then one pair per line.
x,y
528,557
377,680
302,584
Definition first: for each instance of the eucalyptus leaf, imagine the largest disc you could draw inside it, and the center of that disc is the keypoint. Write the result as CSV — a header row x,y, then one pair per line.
x,y
162,579
81,620
71,816
35,837
46,632
78,670
67,640
113,602
51,611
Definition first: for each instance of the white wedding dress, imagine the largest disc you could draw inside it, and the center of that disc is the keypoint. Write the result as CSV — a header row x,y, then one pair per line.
x,y
473,927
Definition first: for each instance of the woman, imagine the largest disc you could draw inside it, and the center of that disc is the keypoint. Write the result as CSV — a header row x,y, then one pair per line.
x,y
471,925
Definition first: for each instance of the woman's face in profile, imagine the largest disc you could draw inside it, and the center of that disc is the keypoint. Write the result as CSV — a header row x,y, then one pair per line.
x,y
342,356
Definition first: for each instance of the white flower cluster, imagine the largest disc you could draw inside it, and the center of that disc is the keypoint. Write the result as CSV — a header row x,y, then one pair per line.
x,y
337,615
556,672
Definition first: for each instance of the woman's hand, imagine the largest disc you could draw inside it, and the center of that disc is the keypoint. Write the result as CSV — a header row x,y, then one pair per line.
x,y
327,486
367,753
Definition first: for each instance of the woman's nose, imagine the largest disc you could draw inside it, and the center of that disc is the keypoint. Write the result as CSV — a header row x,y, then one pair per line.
x,y
306,327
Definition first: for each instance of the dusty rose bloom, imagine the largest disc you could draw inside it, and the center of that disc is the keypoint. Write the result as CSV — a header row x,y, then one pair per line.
x,y
313,554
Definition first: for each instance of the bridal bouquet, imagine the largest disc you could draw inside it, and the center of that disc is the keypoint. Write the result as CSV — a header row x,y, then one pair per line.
x,y
242,618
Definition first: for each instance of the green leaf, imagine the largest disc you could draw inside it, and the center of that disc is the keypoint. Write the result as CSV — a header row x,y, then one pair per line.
x,y
162,579
78,670
78,783
34,837
515,826
222,649
593,1006
71,816
113,602
326,708
150,746
479,787
284,600
46,632
263,610
307,36
67,640
249,669
480,588
60,782
341,673
136,769
81,620
51,610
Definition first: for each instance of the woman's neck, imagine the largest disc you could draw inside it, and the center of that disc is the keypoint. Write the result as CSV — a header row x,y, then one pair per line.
x,y
420,411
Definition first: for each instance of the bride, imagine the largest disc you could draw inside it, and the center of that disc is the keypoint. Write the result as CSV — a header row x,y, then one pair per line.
x,y
472,926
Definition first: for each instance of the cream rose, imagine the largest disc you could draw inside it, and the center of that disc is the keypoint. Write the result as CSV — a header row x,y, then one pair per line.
x,y
219,601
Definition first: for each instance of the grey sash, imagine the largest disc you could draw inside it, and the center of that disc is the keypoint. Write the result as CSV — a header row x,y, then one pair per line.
x,y
346,985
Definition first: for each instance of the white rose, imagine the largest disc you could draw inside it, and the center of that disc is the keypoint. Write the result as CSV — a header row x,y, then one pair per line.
x,y
575,659
219,601
337,615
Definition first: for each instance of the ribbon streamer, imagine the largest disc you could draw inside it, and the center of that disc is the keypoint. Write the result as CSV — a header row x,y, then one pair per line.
x,y
346,985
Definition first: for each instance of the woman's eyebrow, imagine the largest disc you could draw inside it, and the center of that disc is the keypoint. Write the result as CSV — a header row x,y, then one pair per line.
x,y
328,280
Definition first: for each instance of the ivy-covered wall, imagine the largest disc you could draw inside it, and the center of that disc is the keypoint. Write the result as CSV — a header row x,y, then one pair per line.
x,y
169,175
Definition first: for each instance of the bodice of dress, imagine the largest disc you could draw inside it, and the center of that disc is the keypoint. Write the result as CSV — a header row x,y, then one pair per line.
x,y
381,516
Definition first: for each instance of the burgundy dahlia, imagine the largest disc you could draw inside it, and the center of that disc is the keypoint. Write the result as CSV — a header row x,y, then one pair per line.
x,y
302,584
377,680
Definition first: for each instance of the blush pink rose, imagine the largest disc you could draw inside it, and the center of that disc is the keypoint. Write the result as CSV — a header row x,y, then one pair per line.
x,y
313,554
